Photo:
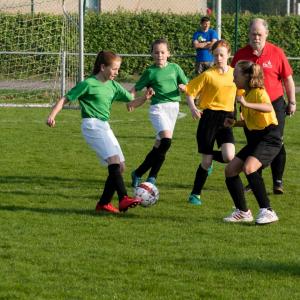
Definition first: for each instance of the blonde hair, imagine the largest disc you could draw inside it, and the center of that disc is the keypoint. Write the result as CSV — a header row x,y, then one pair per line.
x,y
253,72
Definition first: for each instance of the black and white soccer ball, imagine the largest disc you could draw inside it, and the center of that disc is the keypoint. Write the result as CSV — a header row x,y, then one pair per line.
x,y
148,194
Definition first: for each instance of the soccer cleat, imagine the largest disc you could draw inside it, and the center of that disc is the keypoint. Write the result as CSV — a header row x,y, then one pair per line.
x,y
239,216
210,169
266,216
194,199
136,181
247,188
128,202
278,187
151,180
106,207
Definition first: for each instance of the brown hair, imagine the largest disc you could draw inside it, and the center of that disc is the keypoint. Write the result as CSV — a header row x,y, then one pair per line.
x,y
105,58
253,71
205,19
160,41
221,43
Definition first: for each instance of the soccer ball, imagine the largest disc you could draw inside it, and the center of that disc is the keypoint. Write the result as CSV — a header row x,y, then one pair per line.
x,y
148,193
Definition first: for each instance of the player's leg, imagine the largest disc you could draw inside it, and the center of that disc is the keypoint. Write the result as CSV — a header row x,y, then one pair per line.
x,y
200,179
161,148
206,133
235,187
225,141
163,118
278,163
102,140
262,156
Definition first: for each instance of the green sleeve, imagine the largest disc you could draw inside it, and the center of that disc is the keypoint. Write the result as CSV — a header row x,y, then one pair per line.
x,y
78,90
181,78
122,95
144,81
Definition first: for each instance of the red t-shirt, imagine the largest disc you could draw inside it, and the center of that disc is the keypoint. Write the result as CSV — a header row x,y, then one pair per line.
x,y
274,63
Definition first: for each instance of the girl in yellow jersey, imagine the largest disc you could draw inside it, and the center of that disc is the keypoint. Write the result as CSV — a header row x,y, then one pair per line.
x,y
216,90
263,144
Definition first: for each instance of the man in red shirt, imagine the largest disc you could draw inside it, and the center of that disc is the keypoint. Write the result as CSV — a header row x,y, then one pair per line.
x,y
277,73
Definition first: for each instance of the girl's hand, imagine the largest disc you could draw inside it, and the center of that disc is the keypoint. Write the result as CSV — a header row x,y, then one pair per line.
x,y
149,93
229,122
130,106
181,87
241,100
196,113
50,121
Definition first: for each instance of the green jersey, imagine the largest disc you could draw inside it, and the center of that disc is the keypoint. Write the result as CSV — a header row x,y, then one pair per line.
x,y
164,82
96,97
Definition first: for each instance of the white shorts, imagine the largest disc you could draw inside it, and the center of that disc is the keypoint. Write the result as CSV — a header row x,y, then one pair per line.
x,y
101,139
163,116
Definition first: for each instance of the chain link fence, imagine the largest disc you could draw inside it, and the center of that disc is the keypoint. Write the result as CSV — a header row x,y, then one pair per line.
x,y
266,7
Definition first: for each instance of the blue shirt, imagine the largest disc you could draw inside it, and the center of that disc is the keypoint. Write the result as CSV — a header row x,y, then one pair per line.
x,y
204,55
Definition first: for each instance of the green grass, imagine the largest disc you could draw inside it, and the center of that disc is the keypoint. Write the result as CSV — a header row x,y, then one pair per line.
x,y
53,245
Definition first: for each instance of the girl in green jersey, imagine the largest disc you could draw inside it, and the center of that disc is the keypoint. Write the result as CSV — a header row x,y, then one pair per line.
x,y
96,95
166,80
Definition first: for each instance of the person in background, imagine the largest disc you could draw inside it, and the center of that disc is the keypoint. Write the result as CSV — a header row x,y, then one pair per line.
x,y
263,144
277,74
203,40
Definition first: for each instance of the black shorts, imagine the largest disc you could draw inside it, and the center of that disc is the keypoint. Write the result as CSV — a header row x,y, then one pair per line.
x,y
262,144
211,128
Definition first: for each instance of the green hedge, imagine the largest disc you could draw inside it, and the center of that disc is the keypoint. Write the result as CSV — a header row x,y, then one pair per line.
x,y
129,33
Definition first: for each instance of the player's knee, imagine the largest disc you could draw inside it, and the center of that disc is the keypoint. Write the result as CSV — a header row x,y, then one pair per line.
x,y
165,144
227,157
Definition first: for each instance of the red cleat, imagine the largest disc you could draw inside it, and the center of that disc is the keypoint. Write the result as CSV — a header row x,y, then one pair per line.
x,y
127,202
106,207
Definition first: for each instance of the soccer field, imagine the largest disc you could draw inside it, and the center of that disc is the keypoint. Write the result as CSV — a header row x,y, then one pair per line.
x,y
53,245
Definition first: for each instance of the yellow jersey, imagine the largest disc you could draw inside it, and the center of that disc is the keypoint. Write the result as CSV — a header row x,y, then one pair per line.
x,y
257,120
215,90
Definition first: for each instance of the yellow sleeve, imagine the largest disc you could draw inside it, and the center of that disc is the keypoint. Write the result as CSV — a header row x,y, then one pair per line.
x,y
194,87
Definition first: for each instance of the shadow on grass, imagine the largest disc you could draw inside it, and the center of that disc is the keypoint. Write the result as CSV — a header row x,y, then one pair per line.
x,y
260,266
48,186
63,211
46,180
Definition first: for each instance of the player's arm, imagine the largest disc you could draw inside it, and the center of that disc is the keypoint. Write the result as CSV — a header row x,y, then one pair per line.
x,y
289,86
262,107
55,110
138,101
196,113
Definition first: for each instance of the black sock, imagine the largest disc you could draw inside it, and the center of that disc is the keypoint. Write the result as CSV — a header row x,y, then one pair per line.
x,y
278,165
258,187
235,187
115,173
146,164
109,190
217,156
200,180
160,155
